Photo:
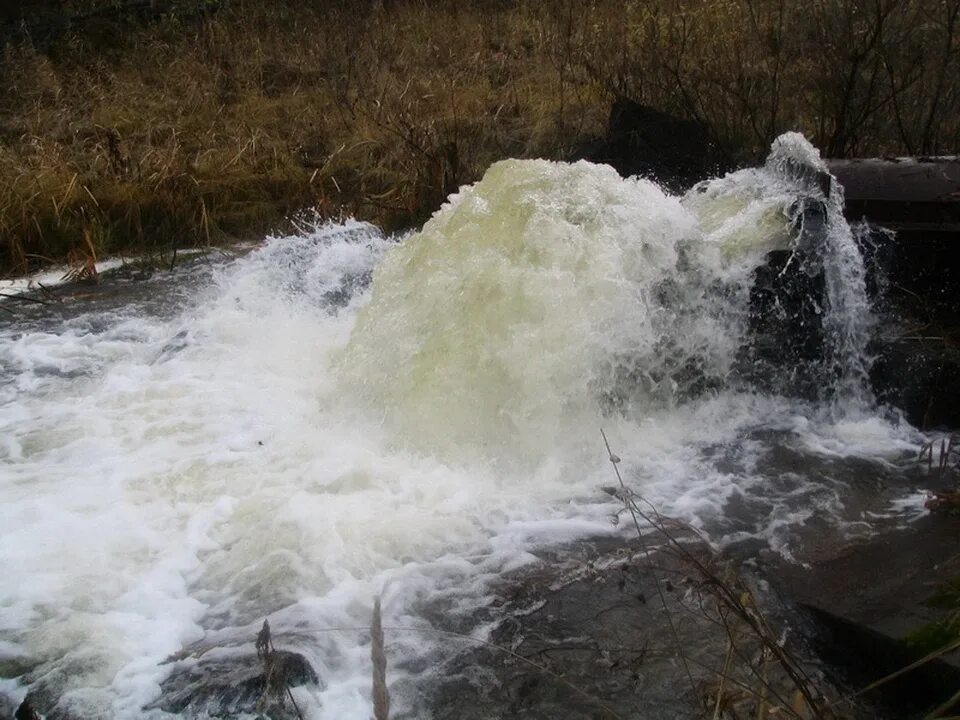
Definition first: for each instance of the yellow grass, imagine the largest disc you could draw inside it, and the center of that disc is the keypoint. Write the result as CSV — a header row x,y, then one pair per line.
x,y
183,129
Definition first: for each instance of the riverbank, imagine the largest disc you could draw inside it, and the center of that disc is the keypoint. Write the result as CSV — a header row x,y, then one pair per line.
x,y
185,131
140,133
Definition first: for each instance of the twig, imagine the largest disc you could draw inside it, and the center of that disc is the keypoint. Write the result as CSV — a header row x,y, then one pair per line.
x,y
615,461
381,696
723,678
485,643
723,592
267,651
24,298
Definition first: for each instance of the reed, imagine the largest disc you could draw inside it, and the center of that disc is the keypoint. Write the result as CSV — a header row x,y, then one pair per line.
x,y
210,129
378,658
186,127
276,683
767,676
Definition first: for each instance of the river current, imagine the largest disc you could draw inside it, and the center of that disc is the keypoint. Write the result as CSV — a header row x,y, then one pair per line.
x,y
291,431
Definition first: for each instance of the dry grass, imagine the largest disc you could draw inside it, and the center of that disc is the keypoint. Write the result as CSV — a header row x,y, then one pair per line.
x,y
190,132
760,675
195,128
276,684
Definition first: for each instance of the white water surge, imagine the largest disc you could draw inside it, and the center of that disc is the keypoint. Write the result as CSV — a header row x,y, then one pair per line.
x,y
290,443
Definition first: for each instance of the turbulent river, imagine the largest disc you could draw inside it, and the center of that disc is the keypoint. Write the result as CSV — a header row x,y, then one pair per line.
x,y
338,415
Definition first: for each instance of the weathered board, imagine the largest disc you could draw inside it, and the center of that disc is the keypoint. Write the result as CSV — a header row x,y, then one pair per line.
x,y
903,194
916,276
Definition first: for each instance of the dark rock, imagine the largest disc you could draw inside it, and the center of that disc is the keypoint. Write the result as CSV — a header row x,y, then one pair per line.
x,y
903,194
920,375
865,596
912,251
865,655
882,581
589,638
224,686
26,711
786,348
917,272
641,140
913,279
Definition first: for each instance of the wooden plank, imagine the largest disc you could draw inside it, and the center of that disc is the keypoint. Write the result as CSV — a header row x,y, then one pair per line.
x,y
900,180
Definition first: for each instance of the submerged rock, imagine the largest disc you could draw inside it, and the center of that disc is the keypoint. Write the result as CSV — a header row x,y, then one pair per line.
x,y
26,712
223,684
868,599
610,631
642,140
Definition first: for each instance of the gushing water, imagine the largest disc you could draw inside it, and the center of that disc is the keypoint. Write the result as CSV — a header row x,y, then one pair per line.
x,y
286,437
548,295
848,319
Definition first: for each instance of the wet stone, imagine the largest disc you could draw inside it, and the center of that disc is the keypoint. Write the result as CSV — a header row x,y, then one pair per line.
x,y
594,635
226,684
26,711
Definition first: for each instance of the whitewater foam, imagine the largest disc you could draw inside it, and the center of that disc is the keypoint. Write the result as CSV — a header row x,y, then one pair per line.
x,y
549,295
290,444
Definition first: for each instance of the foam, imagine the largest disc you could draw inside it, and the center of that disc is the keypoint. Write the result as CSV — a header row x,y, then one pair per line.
x,y
290,444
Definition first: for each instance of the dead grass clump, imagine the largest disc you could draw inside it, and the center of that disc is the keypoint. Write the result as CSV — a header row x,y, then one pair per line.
x,y
760,675
940,454
184,126
198,130
276,684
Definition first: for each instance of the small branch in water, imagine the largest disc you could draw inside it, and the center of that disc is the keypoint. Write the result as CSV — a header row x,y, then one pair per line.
x,y
49,293
24,298
615,461
273,669
263,640
381,697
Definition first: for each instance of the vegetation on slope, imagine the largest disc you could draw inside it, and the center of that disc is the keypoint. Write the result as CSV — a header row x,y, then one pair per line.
x,y
142,126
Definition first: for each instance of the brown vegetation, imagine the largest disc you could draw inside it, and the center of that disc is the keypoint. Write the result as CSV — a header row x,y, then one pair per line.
x,y
152,132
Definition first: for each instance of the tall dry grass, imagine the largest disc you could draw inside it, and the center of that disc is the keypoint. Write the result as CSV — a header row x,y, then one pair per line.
x,y
196,127
182,132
